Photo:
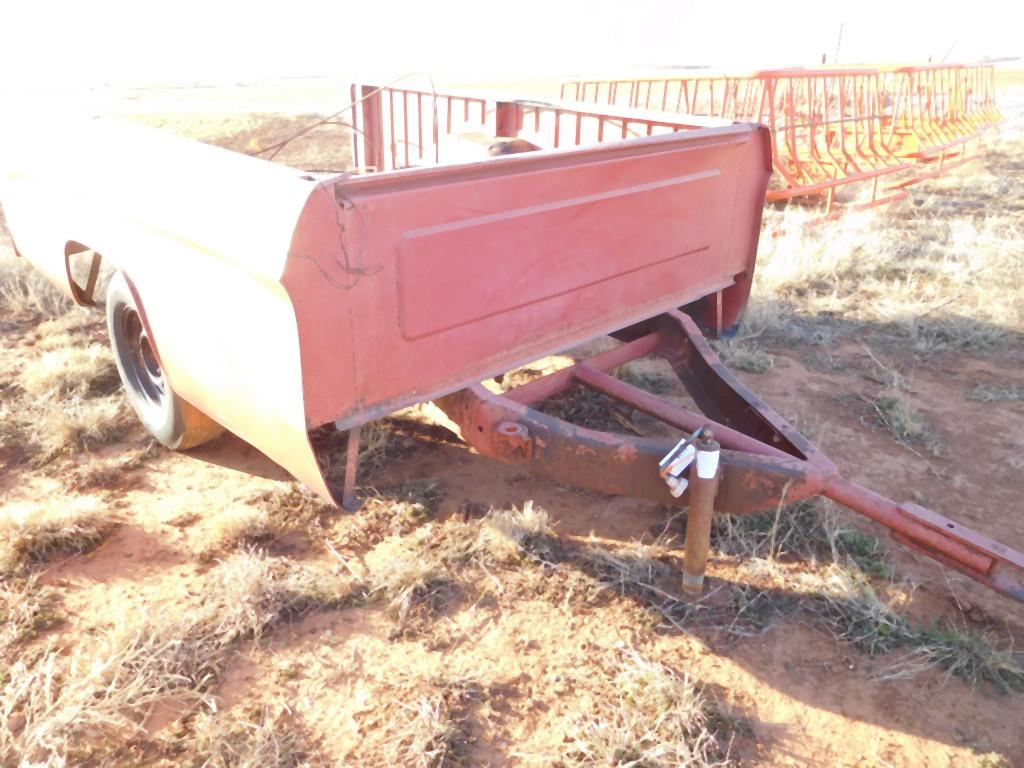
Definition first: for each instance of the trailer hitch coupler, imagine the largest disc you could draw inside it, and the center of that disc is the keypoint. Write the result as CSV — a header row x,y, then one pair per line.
x,y
703,487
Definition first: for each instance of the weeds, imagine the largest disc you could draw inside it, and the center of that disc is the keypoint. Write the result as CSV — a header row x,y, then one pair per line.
x,y
72,372
845,596
69,708
381,443
860,615
234,527
292,504
1008,393
516,533
26,609
46,429
655,382
743,356
433,732
651,715
25,291
390,511
251,740
894,412
803,531
31,535
115,473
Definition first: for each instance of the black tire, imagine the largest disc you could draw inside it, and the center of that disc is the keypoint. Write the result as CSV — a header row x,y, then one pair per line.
x,y
174,422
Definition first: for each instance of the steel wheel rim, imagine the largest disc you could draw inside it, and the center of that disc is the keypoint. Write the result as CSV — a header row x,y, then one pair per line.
x,y
139,358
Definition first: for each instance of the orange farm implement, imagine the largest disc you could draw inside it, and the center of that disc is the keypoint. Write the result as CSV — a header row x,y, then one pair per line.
x,y
879,129
272,301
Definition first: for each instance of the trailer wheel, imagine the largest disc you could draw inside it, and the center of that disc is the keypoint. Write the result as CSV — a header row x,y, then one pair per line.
x,y
173,421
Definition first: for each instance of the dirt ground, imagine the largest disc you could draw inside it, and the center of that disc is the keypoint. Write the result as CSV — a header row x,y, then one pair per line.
x,y
539,642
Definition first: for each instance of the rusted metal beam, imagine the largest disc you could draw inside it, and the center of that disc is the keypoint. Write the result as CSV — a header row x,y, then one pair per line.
x,y
668,413
559,381
995,565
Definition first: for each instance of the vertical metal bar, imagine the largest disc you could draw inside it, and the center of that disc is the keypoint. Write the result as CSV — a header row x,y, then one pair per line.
x,y
373,134
506,118
391,128
356,148
349,500
419,123
405,125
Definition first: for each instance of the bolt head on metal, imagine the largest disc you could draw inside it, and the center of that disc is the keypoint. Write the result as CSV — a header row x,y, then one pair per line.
x,y
513,429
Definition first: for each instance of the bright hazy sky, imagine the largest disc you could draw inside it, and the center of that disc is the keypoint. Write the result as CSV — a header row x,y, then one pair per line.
x,y
96,41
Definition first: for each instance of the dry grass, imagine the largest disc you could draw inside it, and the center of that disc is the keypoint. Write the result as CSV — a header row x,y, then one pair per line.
x,y
893,408
61,428
415,589
930,273
83,705
26,609
630,567
111,473
860,614
805,531
232,528
997,393
71,372
381,444
250,740
431,730
847,583
895,412
650,716
417,575
743,355
655,382
35,534
388,511
588,408
509,535
23,291
64,396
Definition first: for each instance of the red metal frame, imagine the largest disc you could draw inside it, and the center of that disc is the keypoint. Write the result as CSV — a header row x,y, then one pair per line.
x,y
835,127
764,461
827,124
395,128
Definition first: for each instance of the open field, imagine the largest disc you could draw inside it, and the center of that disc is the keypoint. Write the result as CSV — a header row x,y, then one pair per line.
x,y
201,609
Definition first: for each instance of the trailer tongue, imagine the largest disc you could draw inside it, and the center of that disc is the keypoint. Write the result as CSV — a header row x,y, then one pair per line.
x,y
763,461
274,302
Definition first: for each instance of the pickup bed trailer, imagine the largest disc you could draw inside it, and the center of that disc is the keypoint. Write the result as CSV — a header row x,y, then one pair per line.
x,y
270,301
